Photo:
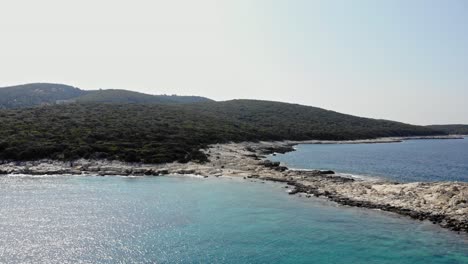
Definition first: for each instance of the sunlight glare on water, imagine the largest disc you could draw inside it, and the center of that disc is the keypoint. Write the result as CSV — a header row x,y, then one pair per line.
x,y
75,219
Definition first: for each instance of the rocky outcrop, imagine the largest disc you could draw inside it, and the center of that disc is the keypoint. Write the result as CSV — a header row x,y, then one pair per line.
x,y
277,149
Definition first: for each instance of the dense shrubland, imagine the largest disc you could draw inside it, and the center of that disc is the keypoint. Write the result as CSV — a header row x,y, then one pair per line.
x,y
452,129
163,133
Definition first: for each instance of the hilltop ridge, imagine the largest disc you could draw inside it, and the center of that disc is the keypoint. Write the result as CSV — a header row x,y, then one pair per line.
x,y
36,94
40,94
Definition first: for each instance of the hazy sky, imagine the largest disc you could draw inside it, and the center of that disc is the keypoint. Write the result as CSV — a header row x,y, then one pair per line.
x,y
402,60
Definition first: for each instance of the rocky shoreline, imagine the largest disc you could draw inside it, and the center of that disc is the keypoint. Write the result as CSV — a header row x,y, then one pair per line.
x,y
443,203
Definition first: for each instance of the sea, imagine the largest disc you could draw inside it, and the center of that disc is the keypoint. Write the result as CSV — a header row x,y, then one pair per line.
x,y
408,161
180,219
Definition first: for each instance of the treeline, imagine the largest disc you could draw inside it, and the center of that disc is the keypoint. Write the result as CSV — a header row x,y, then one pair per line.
x,y
40,94
28,95
299,122
164,133
130,97
452,129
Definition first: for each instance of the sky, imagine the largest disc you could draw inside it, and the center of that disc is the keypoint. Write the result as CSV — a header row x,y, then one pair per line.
x,y
400,60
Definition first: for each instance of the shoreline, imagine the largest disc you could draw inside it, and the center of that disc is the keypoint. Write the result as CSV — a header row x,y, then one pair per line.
x,y
375,140
442,203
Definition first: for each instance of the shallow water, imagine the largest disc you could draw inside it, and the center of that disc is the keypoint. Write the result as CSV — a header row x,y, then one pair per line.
x,y
412,160
70,219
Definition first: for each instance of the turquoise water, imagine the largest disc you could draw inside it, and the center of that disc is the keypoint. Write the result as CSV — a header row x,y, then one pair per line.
x,y
412,160
70,219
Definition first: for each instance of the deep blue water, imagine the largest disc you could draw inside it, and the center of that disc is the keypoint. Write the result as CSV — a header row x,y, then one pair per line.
x,y
412,160
71,219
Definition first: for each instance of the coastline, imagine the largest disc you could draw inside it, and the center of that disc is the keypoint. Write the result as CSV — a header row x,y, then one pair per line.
x,y
374,141
442,203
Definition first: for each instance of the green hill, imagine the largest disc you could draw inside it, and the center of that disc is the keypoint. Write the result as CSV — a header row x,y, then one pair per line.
x,y
118,96
452,129
124,96
28,95
299,122
40,94
157,133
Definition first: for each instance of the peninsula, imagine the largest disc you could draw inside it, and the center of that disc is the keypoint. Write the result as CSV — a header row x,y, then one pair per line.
x,y
442,203
118,132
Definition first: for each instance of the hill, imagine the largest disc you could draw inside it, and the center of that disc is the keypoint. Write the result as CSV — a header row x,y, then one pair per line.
x,y
156,133
40,94
299,122
125,96
28,95
452,129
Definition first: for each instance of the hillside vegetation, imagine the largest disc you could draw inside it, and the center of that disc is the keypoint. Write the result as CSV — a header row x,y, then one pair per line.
x,y
452,129
299,122
173,132
36,94
40,94
124,96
